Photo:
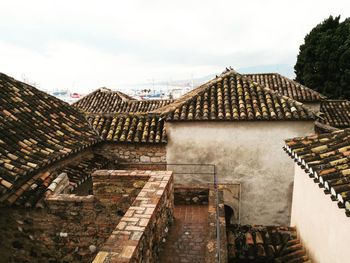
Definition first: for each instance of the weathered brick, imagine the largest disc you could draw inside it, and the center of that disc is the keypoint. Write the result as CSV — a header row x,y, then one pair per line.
x,y
127,251
130,219
137,235
150,216
121,225
134,228
143,222
100,257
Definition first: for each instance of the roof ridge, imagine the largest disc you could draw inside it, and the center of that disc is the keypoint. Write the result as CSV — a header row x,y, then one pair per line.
x,y
271,91
123,114
287,86
302,86
108,101
122,95
153,100
191,94
35,88
81,99
267,73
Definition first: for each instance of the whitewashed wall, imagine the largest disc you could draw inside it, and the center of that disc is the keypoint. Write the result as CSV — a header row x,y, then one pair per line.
x,y
249,153
323,227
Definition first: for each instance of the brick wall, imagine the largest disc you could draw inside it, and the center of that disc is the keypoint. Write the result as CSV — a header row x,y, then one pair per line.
x,y
133,154
138,235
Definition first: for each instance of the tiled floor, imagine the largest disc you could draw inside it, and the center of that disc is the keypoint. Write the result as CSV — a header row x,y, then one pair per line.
x,y
187,237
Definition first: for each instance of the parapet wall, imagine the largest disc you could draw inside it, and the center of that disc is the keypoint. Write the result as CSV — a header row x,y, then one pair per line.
x,y
69,228
73,228
82,224
138,235
112,187
134,154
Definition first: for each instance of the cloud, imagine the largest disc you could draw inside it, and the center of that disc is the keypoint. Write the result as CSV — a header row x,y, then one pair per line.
x,y
82,68
82,45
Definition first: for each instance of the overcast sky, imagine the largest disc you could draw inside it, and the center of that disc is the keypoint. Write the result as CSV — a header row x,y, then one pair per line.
x,y
83,45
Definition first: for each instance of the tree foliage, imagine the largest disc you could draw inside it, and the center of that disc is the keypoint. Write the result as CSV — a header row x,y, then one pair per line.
x,y
323,62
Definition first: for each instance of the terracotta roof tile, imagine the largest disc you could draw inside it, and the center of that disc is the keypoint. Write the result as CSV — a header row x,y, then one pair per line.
x,y
286,87
34,190
325,157
264,244
233,97
36,129
129,128
108,101
336,113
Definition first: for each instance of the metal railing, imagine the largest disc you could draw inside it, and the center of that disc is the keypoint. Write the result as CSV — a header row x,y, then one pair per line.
x,y
213,179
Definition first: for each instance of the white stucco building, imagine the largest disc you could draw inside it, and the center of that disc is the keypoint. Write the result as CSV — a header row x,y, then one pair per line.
x,y
239,126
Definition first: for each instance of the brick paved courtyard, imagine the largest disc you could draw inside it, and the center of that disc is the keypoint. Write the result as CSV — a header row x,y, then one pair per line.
x,y
187,236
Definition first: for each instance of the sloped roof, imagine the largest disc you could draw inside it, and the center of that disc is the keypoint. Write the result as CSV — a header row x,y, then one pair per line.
x,y
286,87
325,157
336,113
129,128
107,101
32,192
36,129
264,244
233,97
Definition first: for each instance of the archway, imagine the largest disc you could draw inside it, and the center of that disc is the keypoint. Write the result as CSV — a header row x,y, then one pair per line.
x,y
229,215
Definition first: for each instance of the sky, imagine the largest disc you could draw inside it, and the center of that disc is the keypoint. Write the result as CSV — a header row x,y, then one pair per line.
x,y
82,45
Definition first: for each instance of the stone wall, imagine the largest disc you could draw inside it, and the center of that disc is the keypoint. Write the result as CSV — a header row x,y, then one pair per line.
x,y
138,235
81,225
70,228
117,189
191,195
132,153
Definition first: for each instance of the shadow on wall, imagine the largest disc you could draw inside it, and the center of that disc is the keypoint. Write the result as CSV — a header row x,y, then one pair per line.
x,y
229,214
231,196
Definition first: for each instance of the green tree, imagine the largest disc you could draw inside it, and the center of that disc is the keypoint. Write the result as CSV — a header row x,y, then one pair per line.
x,y
323,62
